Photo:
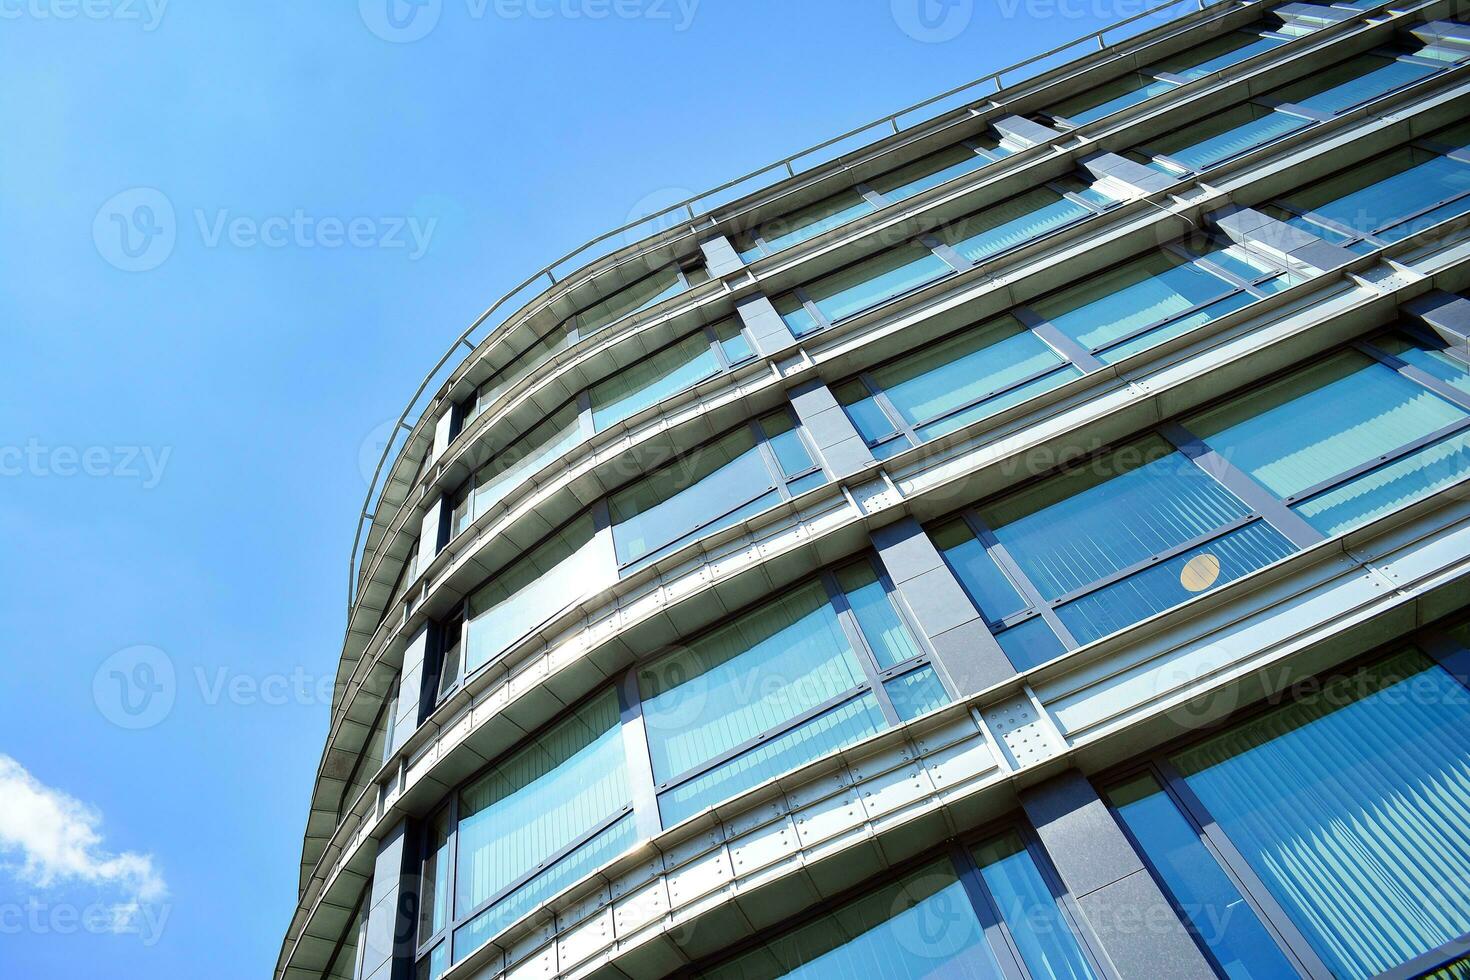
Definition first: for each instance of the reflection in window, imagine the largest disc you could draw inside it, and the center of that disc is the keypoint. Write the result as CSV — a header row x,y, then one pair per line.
x,y
920,926
868,283
568,565
1353,82
1373,869
778,687
1343,441
1221,137
715,486
1038,925
556,795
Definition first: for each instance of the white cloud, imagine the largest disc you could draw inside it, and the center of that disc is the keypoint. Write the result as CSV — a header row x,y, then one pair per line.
x,y
48,839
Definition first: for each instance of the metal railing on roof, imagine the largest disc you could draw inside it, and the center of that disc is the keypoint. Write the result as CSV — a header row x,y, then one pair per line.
x,y
690,210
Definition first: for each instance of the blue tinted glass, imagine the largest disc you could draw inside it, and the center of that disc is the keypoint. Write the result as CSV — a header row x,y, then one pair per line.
x,y
809,482
649,381
882,627
1113,304
790,452
1113,97
991,406
929,172
1373,82
916,693
822,735
868,417
810,222
1030,644
1240,54
796,315
748,677
1224,136
709,488
535,893
1314,424
1176,327
891,448
1433,362
1383,192
1390,487
981,577
1109,514
922,927
875,280
1011,223
1042,934
1202,892
1348,806
962,369
732,341
1171,582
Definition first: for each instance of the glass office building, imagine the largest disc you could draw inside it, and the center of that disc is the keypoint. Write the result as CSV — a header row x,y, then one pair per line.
x,y
1033,544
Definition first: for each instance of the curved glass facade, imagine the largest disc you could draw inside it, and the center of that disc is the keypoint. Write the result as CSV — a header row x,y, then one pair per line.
x,y
685,660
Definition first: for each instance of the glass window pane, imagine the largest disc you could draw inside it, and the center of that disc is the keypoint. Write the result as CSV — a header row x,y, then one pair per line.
x,y
1108,514
546,441
1428,359
1109,98
791,452
1217,55
1349,806
702,491
572,563
434,890
930,171
916,693
1115,303
1225,135
632,298
1040,930
721,690
1386,489
1011,223
1322,421
1176,327
1030,644
576,865
822,735
796,315
882,627
1352,83
969,366
864,411
874,281
1202,892
977,571
1383,192
921,927
543,798
809,222
1171,582
732,340
652,379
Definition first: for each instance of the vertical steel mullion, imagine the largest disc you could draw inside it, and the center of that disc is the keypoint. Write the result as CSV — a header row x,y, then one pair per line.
x,y
451,920
768,457
1071,915
1270,912
716,347
818,317
1078,356
859,642
638,757
1019,579
890,410
906,618
997,934
1242,485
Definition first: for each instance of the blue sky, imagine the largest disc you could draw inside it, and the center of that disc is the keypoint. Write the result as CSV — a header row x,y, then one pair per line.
x,y
185,415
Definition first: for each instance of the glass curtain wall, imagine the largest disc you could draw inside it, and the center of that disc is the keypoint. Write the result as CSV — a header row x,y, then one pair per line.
x,y
1114,539
1324,835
